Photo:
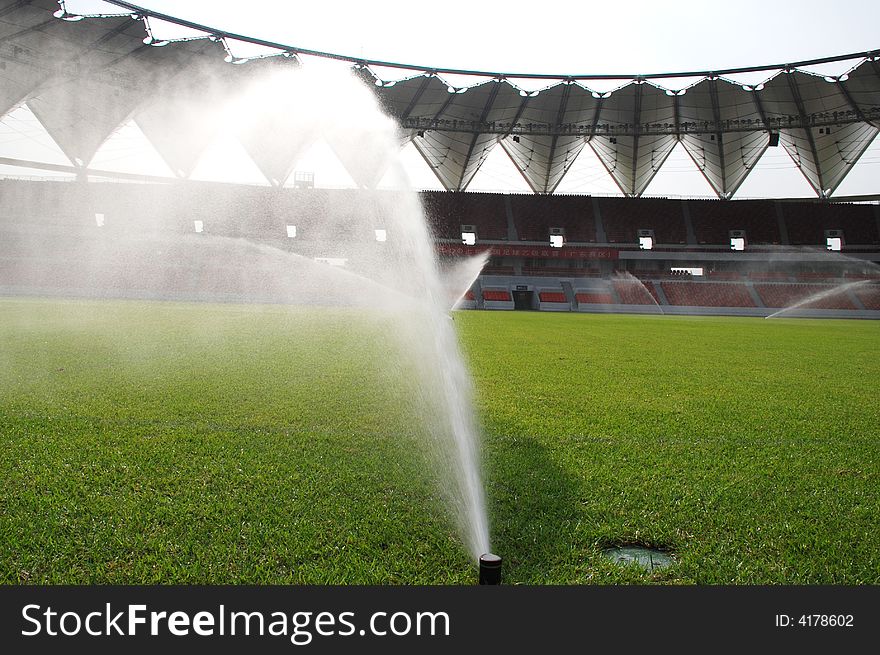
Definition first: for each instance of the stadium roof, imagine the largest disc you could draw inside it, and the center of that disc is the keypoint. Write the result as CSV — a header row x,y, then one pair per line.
x,y
83,79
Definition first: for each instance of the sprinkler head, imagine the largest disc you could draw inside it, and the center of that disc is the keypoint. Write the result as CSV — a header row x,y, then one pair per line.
x,y
490,569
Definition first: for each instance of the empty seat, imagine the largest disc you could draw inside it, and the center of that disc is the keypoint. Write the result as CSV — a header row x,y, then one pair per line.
x,y
594,298
707,294
496,294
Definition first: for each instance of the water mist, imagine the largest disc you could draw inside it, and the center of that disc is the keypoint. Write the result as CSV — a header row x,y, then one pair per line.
x,y
400,275
217,242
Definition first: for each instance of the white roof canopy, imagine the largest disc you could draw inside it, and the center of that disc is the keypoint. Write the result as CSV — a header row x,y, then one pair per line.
x,y
83,78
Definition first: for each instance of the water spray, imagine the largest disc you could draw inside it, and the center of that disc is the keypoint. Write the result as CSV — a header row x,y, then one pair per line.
x,y
490,569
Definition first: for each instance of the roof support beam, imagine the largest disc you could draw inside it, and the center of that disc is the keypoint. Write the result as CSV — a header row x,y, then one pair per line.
x,y
716,114
415,99
676,115
483,115
81,171
875,64
560,115
805,121
637,118
437,116
35,28
596,116
12,6
676,108
852,103
519,112
759,107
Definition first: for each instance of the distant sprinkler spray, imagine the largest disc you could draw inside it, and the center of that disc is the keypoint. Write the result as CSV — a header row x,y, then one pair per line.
x,y
490,569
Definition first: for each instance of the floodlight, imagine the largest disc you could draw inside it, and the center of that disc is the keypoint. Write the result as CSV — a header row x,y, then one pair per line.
x,y
70,18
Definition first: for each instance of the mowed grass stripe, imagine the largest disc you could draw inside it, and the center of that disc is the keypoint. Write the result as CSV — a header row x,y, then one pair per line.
x,y
166,442
749,447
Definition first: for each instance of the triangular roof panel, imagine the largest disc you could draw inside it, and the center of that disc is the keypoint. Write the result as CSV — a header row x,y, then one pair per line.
x,y
861,87
37,47
181,117
89,97
568,112
468,124
719,126
639,120
83,78
808,110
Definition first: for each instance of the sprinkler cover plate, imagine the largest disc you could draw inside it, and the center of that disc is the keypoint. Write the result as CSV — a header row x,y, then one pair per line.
x,y
647,558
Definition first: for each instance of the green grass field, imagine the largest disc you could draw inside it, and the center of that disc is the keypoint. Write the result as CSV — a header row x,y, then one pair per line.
x,y
180,443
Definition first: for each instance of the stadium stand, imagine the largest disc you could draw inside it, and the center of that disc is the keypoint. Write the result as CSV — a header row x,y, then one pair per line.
x,y
594,298
454,134
444,213
707,294
535,215
488,211
807,221
632,292
496,294
64,233
447,211
768,275
869,297
499,270
785,295
623,217
724,275
713,219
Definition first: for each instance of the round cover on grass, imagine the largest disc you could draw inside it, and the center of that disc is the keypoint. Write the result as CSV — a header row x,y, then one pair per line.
x,y
647,558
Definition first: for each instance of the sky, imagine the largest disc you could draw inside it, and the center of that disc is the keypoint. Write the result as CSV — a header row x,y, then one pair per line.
x,y
641,36
637,37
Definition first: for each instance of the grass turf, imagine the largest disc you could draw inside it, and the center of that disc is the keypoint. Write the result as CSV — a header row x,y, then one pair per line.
x,y
176,443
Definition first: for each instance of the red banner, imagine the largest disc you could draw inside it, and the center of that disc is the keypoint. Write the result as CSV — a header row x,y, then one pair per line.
x,y
545,252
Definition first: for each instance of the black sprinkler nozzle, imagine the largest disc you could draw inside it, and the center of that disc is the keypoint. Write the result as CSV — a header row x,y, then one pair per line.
x,y
490,569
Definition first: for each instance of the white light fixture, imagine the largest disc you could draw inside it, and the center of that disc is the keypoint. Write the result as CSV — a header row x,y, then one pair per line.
x,y
199,226
291,231
646,243
469,238
99,220
833,243
381,236
556,240
695,271
737,239
70,18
